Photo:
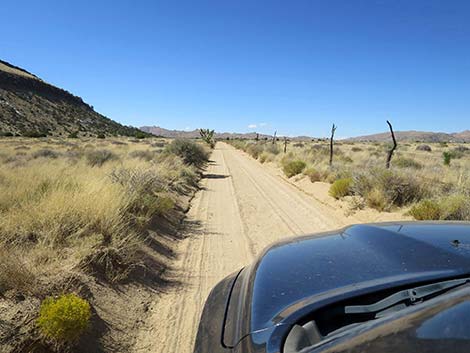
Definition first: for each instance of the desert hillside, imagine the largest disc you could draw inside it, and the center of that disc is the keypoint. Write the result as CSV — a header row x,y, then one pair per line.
x,y
31,107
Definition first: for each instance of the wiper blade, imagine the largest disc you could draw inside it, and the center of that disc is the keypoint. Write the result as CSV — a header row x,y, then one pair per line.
x,y
411,295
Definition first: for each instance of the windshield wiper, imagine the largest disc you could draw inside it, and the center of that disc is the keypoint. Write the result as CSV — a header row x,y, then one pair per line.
x,y
411,295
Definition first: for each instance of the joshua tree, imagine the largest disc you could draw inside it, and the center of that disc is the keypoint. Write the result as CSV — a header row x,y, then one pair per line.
x,y
207,136
390,153
333,129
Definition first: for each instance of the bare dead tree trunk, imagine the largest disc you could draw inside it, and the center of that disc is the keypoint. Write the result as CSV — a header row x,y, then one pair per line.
x,y
274,137
390,153
285,144
333,129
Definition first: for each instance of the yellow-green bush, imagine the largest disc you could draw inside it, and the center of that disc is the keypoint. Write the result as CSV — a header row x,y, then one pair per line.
x,y
452,208
341,188
64,319
293,168
426,210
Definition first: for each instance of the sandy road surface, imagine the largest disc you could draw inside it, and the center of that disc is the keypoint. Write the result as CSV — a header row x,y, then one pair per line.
x,y
243,207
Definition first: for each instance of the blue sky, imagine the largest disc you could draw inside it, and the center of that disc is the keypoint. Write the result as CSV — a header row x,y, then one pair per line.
x,y
290,66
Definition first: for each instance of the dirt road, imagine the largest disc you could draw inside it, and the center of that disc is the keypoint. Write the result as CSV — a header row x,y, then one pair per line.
x,y
243,207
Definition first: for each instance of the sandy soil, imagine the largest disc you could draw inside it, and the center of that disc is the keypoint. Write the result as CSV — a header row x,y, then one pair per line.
x,y
243,207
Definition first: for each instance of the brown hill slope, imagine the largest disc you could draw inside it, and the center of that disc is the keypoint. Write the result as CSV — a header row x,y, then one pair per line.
x,y
32,107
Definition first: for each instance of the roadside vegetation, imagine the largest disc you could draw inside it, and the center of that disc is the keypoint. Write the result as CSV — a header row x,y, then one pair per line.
x,y
72,210
425,181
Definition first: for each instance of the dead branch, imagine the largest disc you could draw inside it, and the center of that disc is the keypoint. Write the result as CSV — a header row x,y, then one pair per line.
x,y
390,153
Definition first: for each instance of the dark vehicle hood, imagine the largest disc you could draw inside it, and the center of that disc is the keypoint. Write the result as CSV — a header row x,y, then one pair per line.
x,y
296,276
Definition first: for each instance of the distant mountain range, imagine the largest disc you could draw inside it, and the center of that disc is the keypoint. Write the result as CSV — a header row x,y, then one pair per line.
x,y
31,107
417,136
159,131
408,136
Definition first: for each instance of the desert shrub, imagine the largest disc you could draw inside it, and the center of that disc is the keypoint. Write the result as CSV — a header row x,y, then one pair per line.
x,y
64,319
341,188
45,153
452,207
140,135
403,162
425,148
190,152
254,150
298,144
383,188
266,157
147,193
34,134
118,143
447,156
272,148
377,199
14,274
99,157
158,144
101,136
346,159
356,149
73,135
6,134
313,174
145,155
455,207
292,168
461,149
426,210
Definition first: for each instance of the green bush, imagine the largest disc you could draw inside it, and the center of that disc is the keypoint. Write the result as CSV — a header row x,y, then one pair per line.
x,y
190,152
293,168
99,157
64,319
452,208
426,210
73,135
447,156
341,188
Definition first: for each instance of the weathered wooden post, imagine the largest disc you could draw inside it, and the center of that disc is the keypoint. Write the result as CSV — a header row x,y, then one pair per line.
x,y
390,153
274,137
257,137
285,144
333,129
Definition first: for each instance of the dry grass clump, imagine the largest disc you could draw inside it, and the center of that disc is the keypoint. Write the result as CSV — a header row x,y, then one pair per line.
x,y
341,188
90,202
292,168
191,152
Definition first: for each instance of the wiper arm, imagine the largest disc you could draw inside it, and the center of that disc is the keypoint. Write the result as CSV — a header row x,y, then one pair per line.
x,y
412,295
